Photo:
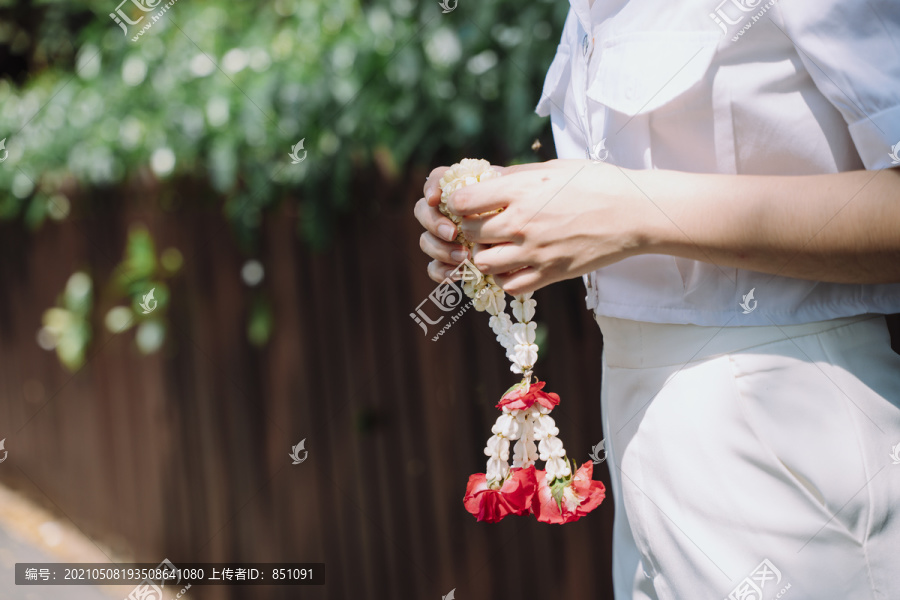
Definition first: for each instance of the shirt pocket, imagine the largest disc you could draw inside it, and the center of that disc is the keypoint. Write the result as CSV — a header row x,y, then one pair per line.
x,y
636,73
555,84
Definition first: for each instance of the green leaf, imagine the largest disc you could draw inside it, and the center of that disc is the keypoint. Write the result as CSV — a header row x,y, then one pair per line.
x,y
259,327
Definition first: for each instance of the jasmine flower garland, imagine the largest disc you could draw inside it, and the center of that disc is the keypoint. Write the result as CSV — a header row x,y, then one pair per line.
x,y
553,495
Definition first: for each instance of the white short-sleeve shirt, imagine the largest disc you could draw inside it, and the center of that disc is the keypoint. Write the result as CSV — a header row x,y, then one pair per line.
x,y
776,87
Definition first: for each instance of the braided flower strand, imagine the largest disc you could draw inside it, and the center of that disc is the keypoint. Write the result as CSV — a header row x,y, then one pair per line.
x,y
558,493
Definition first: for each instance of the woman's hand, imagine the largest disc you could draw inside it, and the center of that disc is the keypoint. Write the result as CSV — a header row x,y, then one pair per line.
x,y
564,218
560,220
437,240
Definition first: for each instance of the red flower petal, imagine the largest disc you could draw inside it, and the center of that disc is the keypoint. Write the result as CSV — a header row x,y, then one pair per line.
x,y
518,398
548,400
592,492
544,506
589,494
513,497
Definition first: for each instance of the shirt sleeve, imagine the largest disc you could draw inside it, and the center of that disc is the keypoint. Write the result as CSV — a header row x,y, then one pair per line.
x,y
851,49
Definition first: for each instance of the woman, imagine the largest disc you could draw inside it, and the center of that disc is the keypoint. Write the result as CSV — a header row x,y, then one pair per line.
x,y
725,187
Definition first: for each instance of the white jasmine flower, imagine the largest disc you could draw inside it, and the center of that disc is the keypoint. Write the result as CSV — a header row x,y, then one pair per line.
x,y
466,172
551,447
545,426
555,466
496,300
524,453
524,333
506,426
496,469
498,323
497,447
523,307
526,355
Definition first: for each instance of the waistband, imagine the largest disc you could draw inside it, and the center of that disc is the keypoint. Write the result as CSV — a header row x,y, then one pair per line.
x,y
639,344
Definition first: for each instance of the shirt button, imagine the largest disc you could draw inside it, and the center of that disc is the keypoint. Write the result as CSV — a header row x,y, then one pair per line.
x,y
584,45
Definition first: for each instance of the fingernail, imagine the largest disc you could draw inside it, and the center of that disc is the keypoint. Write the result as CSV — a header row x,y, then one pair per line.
x,y
459,255
447,232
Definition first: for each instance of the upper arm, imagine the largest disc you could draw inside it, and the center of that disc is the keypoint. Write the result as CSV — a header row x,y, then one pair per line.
x,y
851,50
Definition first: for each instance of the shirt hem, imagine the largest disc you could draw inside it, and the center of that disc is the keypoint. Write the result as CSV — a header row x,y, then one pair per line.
x,y
736,317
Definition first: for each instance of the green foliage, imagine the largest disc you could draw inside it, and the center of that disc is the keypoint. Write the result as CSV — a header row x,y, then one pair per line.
x,y
141,280
259,326
67,326
222,90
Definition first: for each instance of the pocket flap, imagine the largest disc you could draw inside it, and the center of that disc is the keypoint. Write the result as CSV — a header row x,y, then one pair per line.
x,y
640,72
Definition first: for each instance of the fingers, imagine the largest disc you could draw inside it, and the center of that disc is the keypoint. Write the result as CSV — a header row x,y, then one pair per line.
x,y
439,271
438,240
482,197
432,189
445,252
520,282
433,221
490,195
497,228
500,259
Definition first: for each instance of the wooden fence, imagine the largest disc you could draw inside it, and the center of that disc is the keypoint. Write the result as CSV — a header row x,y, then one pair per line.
x,y
184,454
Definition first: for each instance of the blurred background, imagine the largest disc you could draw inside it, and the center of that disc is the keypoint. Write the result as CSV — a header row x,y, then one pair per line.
x,y
208,256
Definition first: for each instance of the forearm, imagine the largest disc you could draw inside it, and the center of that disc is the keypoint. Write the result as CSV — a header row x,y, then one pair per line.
x,y
842,227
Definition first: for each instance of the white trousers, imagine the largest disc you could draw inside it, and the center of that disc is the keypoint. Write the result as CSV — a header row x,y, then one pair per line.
x,y
753,463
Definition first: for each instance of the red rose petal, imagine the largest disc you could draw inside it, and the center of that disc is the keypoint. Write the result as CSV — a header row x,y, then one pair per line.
x,y
590,494
522,400
513,497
